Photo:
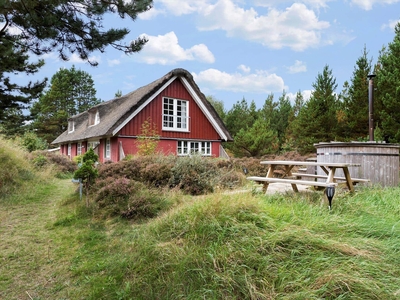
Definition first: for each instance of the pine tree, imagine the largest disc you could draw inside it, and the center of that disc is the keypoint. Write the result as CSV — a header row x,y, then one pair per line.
x,y
290,137
71,92
218,106
13,123
317,120
281,118
69,26
355,100
240,116
15,97
388,89
255,141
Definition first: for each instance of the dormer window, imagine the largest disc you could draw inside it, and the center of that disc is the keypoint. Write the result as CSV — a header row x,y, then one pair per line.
x,y
94,118
71,126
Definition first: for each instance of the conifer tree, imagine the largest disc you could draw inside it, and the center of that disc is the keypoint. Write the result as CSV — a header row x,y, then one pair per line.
x,y
218,106
317,120
240,116
15,97
71,92
68,26
281,117
388,89
294,113
355,100
255,141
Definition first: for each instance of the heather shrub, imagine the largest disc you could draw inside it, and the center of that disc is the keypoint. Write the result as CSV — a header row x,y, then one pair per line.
x,y
61,163
195,175
111,170
231,179
114,190
154,171
127,198
156,174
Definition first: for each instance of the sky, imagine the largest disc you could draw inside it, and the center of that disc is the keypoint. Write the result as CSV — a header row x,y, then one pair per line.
x,y
239,49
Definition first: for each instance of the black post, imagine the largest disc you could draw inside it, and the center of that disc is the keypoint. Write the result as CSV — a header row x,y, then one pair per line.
x,y
371,106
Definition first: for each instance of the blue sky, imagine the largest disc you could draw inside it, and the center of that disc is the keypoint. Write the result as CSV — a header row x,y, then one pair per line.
x,y
243,48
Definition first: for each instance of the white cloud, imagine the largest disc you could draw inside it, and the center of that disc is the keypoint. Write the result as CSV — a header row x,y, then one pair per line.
x,y
165,50
298,67
391,24
151,14
306,96
367,4
273,3
244,68
184,7
259,82
297,27
74,58
113,62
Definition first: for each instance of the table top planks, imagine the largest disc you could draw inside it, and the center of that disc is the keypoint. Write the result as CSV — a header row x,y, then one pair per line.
x,y
308,163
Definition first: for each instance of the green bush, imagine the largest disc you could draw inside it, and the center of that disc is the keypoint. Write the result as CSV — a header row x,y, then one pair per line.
x,y
40,161
31,142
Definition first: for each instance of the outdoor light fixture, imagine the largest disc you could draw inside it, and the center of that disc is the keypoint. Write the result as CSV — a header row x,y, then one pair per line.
x,y
330,192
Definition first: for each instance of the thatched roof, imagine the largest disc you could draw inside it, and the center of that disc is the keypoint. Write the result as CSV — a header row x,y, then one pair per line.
x,y
114,113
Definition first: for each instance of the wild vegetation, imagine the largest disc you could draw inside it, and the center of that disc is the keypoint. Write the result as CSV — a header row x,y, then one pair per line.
x,y
221,245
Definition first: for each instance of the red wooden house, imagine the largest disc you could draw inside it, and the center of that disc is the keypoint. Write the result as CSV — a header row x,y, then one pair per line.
x,y
185,120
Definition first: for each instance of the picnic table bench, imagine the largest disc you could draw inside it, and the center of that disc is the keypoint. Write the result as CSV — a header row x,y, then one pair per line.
x,y
293,178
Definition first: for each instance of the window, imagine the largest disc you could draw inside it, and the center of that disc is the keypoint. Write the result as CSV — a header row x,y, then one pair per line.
x,y
69,150
107,149
93,144
175,114
71,126
189,147
94,118
79,148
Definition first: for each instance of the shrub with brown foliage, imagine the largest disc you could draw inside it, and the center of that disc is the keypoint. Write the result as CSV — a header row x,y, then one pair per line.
x,y
127,198
62,163
195,175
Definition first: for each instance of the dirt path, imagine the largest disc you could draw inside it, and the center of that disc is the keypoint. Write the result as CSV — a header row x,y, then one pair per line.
x,y
27,253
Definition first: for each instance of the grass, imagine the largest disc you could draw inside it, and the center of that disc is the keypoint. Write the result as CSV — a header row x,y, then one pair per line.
x,y
221,246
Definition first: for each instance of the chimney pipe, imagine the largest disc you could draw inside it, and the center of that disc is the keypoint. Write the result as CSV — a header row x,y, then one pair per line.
x,y
371,106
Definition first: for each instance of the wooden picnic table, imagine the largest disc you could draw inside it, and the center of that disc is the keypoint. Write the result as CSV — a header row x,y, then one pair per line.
x,y
293,178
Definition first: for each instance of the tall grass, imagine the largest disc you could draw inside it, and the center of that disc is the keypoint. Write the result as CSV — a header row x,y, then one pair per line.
x,y
18,176
240,246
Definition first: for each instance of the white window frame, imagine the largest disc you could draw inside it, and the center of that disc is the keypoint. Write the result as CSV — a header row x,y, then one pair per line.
x,y
94,118
107,149
174,118
97,118
69,149
79,148
185,148
71,126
